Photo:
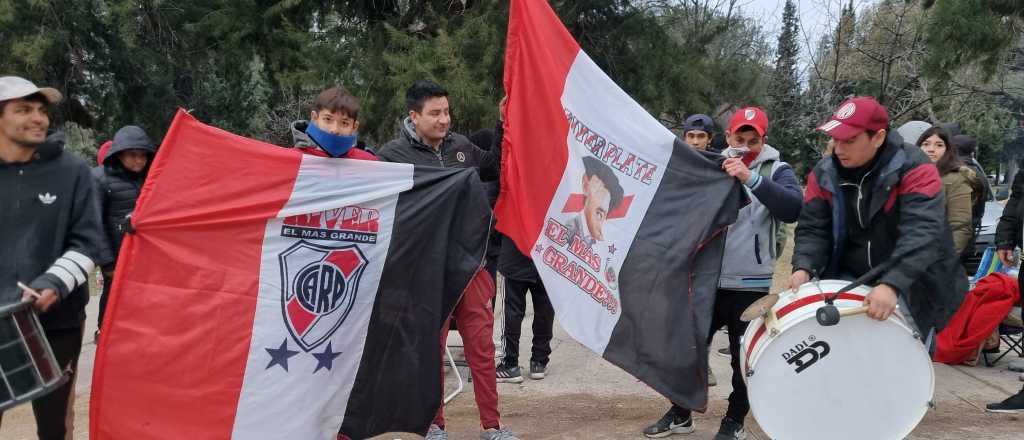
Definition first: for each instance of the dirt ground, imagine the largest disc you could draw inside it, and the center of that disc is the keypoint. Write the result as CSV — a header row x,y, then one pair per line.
x,y
584,397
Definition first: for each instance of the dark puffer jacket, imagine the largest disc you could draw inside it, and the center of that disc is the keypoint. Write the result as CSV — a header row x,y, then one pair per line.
x,y
1011,225
456,151
118,188
891,211
1009,231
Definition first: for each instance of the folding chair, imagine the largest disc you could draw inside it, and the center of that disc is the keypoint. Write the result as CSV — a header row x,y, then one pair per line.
x,y
989,263
458,376
1013,338
453,364
1008,334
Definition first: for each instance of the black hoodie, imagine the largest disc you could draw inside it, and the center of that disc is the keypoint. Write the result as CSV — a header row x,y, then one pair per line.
x,y
118,188
50,233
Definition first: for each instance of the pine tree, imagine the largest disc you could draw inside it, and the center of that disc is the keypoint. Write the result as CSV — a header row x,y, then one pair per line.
x,y
784,106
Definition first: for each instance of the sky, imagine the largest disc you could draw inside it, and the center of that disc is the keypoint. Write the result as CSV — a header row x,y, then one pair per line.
x,y
817,17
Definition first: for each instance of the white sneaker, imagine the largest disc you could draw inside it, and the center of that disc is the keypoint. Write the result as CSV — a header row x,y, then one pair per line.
x,y
498,434
436,433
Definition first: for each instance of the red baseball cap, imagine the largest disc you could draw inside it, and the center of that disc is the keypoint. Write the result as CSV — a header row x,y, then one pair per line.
x,y
752,116
855,116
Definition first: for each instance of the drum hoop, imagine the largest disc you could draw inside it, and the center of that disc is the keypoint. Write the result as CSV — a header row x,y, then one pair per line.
x,y
7,309
790,308
11,310
35,394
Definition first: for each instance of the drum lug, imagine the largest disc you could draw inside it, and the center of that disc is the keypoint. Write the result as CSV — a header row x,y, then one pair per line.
x,y
750,373
771,323
931,404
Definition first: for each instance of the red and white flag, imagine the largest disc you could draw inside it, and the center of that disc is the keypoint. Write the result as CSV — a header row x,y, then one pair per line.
x,y
621,219
267,294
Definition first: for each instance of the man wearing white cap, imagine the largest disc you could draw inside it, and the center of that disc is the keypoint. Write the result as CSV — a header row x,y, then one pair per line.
x,y
51,237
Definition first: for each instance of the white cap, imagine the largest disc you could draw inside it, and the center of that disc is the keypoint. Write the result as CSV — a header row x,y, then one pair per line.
x,y
13,87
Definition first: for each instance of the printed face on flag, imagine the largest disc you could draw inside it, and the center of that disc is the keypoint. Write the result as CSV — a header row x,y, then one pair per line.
x,y
595,206
601,193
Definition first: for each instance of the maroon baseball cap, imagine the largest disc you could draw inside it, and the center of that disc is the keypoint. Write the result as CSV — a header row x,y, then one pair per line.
x,y
752,116
855,116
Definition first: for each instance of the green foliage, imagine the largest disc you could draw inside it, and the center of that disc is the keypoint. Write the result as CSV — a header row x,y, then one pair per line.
x,y
969,32
81,141
785,103
254,66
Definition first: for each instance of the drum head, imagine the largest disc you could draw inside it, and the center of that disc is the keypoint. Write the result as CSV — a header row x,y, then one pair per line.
x,y
861,379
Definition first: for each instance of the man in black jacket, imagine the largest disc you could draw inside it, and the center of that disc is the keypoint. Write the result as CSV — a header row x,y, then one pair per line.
x,y
50,233
1009,233
877,202
118,182
426,139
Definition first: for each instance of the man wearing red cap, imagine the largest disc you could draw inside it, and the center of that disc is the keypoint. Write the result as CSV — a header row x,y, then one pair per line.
x,y
877,202
751,246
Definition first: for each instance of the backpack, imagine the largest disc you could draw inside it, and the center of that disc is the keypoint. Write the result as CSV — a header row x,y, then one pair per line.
x,y
777,240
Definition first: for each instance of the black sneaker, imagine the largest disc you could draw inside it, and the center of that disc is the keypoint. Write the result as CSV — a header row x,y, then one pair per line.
x,y
537,370
731,430
670,423
509,374
1013,404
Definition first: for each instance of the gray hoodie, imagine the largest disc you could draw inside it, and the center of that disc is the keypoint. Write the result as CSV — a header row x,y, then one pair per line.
x,y
750,254
299,137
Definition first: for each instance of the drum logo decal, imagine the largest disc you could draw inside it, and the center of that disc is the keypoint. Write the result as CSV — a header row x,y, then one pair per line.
x,y
805,354
318,288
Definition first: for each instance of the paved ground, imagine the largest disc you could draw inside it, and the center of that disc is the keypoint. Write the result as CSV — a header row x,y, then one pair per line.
x,y
584,397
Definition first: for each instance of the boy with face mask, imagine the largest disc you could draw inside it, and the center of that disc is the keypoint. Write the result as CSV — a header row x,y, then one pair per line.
x,y
333,127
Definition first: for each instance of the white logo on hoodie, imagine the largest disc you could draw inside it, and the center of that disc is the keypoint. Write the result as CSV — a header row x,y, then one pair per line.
x,y
47,198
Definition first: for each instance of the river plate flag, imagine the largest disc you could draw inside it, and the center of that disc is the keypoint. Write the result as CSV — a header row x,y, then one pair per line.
x,y
266,294
623,221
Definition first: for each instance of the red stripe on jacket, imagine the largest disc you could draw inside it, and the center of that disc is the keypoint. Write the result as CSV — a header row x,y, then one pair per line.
x,y
924,180
815,191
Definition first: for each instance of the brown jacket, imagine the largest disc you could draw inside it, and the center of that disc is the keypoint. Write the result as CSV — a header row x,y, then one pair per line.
x,y
958,188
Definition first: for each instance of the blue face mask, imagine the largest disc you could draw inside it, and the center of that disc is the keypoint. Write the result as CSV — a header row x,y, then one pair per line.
x,y
333,144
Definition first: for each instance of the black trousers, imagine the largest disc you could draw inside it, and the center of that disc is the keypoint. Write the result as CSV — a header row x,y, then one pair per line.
x,y
108,280
53,411
729,305
543,320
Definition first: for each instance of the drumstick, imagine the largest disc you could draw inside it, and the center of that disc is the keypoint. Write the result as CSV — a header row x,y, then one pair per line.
x,y
853,311
30,291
